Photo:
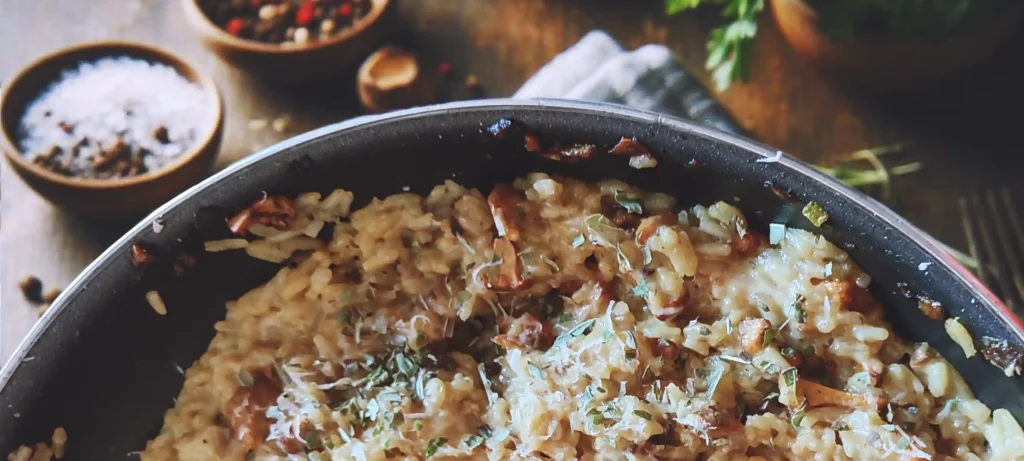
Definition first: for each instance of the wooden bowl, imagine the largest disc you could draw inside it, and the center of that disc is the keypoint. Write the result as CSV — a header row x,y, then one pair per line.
x,y
294,63
892,63
116,197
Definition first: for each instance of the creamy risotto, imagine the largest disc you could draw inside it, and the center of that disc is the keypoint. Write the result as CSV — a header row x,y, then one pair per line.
x,y
560,319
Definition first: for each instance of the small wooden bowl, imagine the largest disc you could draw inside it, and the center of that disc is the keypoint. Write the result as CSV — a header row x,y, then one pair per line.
x,y
314,61
105,198
892,63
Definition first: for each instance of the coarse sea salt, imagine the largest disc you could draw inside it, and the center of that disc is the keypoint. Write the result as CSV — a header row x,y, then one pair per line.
x,y
92,106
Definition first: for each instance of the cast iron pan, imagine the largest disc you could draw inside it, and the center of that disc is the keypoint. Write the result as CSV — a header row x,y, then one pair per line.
x,y
102,364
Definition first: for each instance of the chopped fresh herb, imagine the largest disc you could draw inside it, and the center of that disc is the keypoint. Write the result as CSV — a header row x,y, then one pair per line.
x,y
417,426
790,377
796,311
579,241
643,414
776,232
482,434
537,372
730,46
565,317
602,230
815,213
798,416
574,332
769,336
788,352
596,416
642,290
705,331
631,205
433,445
769,367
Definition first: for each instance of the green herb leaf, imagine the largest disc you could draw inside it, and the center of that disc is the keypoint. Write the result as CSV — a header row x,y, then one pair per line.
x,y
797,418
790,376
815,213
602,230
482,434
631,205
795,310
433,445
676,6
642,290
643,414
537,372
417,426
579,241
574,332
769,336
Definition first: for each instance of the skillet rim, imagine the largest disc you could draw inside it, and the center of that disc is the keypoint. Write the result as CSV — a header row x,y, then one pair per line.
x,y
912,233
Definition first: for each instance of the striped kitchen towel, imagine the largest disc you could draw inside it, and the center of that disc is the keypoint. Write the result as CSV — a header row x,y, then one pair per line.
x,y
597,68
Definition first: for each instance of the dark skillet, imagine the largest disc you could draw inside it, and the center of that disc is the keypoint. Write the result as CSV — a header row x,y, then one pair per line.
x,y
102,364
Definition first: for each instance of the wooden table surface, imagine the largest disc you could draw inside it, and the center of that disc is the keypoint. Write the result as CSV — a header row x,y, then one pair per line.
x,y
968,137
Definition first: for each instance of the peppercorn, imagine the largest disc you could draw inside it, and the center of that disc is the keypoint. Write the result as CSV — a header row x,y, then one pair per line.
x,y
235,26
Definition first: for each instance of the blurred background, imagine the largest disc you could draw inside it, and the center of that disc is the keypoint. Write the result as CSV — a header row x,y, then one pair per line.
x,y
933,94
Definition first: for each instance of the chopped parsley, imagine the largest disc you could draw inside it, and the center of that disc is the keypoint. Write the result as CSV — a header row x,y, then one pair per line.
x,y
537,372
769,336
574,332
796,311
631,205
482,434
790,376
642,290
602,230
433,445
643,414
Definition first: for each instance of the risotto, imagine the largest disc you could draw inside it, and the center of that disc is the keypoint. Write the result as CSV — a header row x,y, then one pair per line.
x,y
560,319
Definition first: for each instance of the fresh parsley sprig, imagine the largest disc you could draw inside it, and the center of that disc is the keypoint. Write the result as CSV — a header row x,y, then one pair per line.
x,y
729,46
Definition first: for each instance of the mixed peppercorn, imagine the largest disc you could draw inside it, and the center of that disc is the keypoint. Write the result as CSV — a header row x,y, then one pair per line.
x,y
285,21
